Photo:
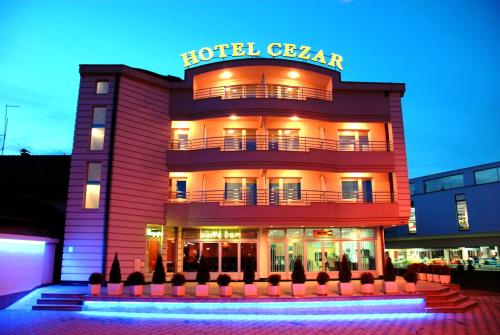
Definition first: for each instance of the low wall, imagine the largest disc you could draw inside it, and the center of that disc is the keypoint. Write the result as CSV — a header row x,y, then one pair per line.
x,y
26,262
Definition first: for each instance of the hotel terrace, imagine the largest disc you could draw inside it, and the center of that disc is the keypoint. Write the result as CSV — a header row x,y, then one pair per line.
x,y
268,158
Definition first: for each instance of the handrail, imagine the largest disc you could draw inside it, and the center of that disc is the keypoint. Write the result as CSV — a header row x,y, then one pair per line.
x,y
265,197
262,91
272,143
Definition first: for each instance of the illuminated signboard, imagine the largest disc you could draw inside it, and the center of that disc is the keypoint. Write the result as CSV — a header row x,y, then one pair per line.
x,y
322,233
273,50
220,234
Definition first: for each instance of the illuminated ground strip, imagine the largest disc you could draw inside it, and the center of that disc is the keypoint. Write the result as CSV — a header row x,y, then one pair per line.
x,y
25,246
259,317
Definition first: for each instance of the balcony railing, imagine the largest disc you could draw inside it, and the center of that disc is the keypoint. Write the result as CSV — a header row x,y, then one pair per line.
x,y
264,197
270,143
262,91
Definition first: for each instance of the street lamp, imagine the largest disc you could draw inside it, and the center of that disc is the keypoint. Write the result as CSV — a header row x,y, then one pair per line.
x,y
6,122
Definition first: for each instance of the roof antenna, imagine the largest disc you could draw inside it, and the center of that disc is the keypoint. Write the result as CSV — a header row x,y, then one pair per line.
x,y
6,122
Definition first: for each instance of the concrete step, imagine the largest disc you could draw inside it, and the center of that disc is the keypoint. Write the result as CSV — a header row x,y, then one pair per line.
x,y
465,306
454,301
434,292
442,296
56,301
62,295
56,308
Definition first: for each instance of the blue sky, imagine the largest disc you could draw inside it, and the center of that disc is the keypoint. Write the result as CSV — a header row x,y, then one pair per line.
x,y
447,53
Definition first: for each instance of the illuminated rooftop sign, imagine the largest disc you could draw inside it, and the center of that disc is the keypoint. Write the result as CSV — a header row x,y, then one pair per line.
x,y
273,50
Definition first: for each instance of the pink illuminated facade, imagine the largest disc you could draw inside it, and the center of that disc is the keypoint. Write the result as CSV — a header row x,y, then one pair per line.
x,y
263,158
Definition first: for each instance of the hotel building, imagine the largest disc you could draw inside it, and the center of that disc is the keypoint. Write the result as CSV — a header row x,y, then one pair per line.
x,y
270,159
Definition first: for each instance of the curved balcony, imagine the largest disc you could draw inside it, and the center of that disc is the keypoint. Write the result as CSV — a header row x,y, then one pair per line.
x,y
270,143
262,91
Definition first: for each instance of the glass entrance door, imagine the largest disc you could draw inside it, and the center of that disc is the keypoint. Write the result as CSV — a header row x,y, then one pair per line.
x,y
323,256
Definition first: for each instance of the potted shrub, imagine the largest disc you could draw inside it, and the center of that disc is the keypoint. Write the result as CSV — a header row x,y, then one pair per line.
x,y
273,289
411,278
367,281
250,289
445,274
115,285
223,280
429,272
390,285
422,271
298,279
436,270
178,287
95,281
202,278
322,287
345,285
159,278
136,281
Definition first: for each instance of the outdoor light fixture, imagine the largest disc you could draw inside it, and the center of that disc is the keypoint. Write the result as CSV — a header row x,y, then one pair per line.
x,y
293,74
294,118
233,117
225,75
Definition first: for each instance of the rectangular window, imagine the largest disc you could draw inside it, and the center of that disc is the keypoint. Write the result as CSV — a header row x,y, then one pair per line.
x,y
412,188
93,186
291,139
412,222
102,87
444,183
487,176
461,207
291,189
98,128
233,139
349,189
233,189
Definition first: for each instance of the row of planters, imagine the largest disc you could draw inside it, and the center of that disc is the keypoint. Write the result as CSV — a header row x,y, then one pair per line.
x,y
433,272
345,287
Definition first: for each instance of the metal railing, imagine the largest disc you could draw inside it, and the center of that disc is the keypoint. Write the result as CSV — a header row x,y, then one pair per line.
x,y
265,197
262,91
271,143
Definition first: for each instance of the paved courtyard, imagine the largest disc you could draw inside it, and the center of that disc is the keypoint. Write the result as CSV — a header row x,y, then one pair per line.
x,y
19,319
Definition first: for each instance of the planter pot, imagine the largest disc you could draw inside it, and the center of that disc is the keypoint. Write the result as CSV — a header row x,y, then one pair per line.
x,y
250,290
410,287
136,290
298,290
346,288
445,279
367,288
201,290
422,276
429,276
115,289
435,278
225,291
179,291
273,291
390,287
157,290
95,289
322,289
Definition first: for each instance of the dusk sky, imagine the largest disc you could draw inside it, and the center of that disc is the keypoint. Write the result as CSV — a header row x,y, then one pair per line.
x,y
447,53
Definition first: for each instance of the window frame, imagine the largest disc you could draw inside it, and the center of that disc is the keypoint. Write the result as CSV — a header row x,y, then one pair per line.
x,y
97,86
457,201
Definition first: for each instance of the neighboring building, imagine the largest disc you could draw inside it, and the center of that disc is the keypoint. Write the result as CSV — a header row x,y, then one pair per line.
x,y
455,217
263,158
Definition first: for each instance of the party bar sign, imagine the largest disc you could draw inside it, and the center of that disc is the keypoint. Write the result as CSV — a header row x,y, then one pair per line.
x,y
273,50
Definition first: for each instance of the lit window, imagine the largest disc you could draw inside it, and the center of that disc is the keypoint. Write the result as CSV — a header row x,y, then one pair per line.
x,y
93,185
102,87
487,176
98,128
291,189
354,140
349,189
412,222
233,139
233,189
444,183
461,207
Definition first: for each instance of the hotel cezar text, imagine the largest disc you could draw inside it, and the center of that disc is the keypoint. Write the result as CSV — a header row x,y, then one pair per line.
x,y
270,159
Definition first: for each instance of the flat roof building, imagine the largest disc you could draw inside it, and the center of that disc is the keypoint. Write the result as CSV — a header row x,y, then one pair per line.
x,y
270,159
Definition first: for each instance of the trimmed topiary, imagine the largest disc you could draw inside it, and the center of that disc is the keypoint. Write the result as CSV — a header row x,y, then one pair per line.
x,y
115,275
389,271
203,274
96,278
249,271
223,279
135,278
298,274
322,278
345,270
178,279
423,268
159,275
411,276
367,278
413,267
274,280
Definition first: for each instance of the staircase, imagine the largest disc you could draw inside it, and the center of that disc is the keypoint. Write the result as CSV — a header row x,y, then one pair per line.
x,y
447,300
59,302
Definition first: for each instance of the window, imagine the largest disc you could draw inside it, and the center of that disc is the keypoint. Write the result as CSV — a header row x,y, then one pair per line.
x,y
233,189
233,139
349,189
98,128
461,207
181,139
348,138
93,186
102,87
412,222
291,139
412,188
487,176
444,183
291,188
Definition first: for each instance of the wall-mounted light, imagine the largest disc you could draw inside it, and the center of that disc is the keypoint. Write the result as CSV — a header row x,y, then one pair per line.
x,y
233,117
294,118
225,75
293,74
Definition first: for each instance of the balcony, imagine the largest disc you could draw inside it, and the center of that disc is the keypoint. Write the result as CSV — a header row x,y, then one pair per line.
x,y
269,143
262,91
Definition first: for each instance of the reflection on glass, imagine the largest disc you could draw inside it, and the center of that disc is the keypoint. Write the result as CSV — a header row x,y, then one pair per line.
x,y
248,253
229,257
367,255
190,257
211,253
